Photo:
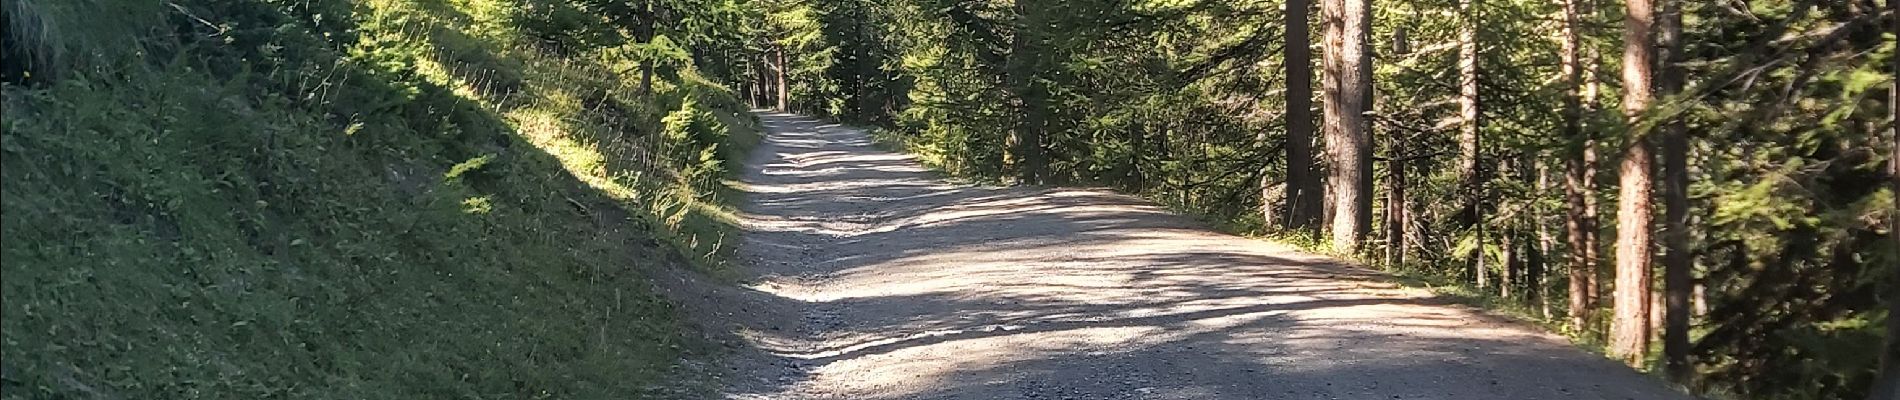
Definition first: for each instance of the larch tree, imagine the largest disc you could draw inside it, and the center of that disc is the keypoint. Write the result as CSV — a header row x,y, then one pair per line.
x,y
779,68
1347,88
1629,329
1468,111
1303,190
1579,170
1396,216
1469,118
1591,158
1677,279
1024,71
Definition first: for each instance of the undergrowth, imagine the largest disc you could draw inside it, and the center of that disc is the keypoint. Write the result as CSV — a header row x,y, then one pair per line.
x,y
347,199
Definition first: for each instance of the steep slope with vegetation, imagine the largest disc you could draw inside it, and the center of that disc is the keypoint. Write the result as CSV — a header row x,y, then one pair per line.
x,y
458,198
1702,187
352,199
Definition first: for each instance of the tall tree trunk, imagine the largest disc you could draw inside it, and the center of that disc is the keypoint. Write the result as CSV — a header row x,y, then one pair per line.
x,y
758,82
643,32
1395,209
646,77
1528,172
1629,331
1303,191
1887,385
765,82
1348,142
784,95
1577,173
1395,218
1024,67
755,90
1480,269
1593,237
1677,281
1507,244
1468,112
866,68
1536,263
1468,140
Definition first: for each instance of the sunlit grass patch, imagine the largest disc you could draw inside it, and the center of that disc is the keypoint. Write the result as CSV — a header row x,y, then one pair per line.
x,y
424,212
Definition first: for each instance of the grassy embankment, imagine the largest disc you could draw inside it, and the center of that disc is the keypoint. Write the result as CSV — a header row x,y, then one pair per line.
x,y
371,199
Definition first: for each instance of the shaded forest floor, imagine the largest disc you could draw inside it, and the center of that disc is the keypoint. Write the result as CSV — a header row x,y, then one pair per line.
x,y
876,278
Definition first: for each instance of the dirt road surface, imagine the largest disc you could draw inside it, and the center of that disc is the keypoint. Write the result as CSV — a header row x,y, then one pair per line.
x,y
877,279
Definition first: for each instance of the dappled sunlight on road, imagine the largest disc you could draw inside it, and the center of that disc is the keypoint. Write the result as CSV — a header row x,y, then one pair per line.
x,y
898,284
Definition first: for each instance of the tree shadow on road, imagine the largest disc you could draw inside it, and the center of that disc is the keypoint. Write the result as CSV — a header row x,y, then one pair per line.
x,y
908,286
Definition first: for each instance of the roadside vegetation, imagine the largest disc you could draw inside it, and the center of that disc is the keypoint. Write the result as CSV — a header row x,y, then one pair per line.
x,y
379,199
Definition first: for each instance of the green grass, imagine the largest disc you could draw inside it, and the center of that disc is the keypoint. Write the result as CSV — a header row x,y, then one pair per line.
x,y
265,217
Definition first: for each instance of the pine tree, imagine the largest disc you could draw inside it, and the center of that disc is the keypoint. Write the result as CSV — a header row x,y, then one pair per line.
x,y
1347,86
1579,172
1629,330
1677,281
1303,186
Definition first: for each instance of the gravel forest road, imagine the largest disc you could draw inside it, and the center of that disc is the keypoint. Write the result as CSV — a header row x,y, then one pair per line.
x,y
874,278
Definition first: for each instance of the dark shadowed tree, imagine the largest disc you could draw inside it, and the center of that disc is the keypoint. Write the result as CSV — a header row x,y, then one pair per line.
x,y
1677,281
1303,190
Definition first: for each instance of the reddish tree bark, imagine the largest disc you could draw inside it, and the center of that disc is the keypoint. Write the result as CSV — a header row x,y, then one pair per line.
x,y
1347,90
1629,330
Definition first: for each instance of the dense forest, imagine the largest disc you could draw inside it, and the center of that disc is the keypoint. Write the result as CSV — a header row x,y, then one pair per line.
x,y
403,199
1702,188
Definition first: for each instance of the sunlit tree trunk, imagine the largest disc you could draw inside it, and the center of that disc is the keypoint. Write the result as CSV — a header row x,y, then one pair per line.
x,y
1303,191
764,82
1629,330
1675,155
755,94
1347,87
1480,269
1468,112
784,95
1537,261
1468,139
